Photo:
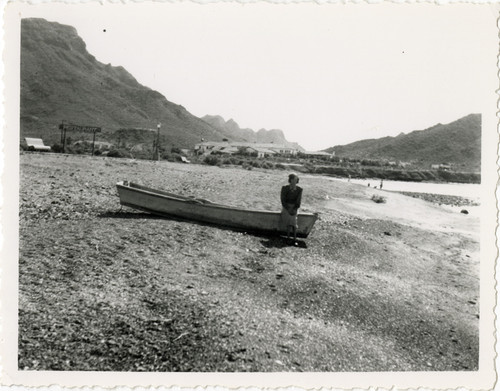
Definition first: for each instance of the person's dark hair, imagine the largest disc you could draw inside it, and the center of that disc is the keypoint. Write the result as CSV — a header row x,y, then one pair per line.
x,y
291,176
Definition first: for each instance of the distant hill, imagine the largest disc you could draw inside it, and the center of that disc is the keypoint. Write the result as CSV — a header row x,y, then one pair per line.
x,y
60,81
233,132
458,143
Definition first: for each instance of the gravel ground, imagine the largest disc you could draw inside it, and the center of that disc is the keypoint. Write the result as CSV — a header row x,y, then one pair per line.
x,y
107,288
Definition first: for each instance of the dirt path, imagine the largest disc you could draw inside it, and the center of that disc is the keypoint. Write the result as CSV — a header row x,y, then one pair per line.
x,y
378,287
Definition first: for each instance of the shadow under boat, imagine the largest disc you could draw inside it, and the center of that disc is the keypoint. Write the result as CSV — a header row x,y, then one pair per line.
x,y
272,239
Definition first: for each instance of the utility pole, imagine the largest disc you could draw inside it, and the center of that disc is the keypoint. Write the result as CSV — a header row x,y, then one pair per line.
x,y
156,153
93,143
64,137
61,127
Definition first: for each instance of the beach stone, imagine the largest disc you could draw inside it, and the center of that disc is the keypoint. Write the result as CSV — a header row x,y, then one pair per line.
x,y
464,211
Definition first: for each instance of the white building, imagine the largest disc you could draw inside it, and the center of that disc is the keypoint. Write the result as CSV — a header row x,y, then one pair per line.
x,y
262,149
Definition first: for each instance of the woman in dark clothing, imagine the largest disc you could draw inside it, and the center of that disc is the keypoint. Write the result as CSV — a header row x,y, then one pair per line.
x,y
291,196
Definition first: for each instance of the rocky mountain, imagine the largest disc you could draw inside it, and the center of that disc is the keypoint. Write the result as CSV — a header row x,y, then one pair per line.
x,y
232,131
457,143
60,81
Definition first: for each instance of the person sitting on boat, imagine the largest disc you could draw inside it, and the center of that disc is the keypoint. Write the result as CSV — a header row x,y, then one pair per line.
x,y
291,197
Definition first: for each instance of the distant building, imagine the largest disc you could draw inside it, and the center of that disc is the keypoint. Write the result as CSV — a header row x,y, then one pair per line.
x,y
261,152
443,166
318,154
97,144
229,150
207,147
262,149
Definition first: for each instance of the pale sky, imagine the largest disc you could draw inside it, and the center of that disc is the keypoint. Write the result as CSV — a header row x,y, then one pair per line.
x,y
325,74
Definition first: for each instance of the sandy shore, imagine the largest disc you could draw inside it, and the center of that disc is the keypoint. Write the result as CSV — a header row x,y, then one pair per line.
x,y
376,287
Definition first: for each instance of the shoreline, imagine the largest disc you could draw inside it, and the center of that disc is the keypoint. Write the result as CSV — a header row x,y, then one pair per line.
x,y
441,199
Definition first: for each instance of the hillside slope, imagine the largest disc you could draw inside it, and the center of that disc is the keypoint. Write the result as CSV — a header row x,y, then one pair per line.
x,y
60,80
458,143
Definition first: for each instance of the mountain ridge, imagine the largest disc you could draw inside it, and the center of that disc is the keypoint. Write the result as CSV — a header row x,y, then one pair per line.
x,y
60,81
457,143
233,131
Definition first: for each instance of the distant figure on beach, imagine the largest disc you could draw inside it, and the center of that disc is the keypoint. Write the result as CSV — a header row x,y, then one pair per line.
x,y
368,185
291,197
349,179
381,183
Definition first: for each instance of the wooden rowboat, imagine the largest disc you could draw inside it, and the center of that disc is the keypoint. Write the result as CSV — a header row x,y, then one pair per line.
x,y
188,208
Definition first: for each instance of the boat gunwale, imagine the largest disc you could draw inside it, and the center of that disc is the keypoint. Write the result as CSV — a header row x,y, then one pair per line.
x,y
240,228
187,200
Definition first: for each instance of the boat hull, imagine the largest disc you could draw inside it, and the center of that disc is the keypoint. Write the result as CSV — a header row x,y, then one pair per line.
x,y
187,208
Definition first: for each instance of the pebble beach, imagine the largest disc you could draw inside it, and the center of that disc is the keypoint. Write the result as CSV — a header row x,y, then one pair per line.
x,y
375,287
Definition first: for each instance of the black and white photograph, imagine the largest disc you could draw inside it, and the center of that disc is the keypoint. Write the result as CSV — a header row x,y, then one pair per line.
x,y
249,194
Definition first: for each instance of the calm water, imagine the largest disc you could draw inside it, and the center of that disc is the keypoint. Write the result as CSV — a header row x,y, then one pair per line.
x,y
457,189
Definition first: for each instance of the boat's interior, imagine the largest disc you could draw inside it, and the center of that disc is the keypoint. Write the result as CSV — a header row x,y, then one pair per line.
x,y
196,200
171,195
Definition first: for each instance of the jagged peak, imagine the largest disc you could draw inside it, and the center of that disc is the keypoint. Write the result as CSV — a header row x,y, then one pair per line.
x,y
270,131
232,122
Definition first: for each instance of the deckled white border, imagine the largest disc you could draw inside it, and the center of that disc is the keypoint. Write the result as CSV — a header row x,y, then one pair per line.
x,y
9,142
